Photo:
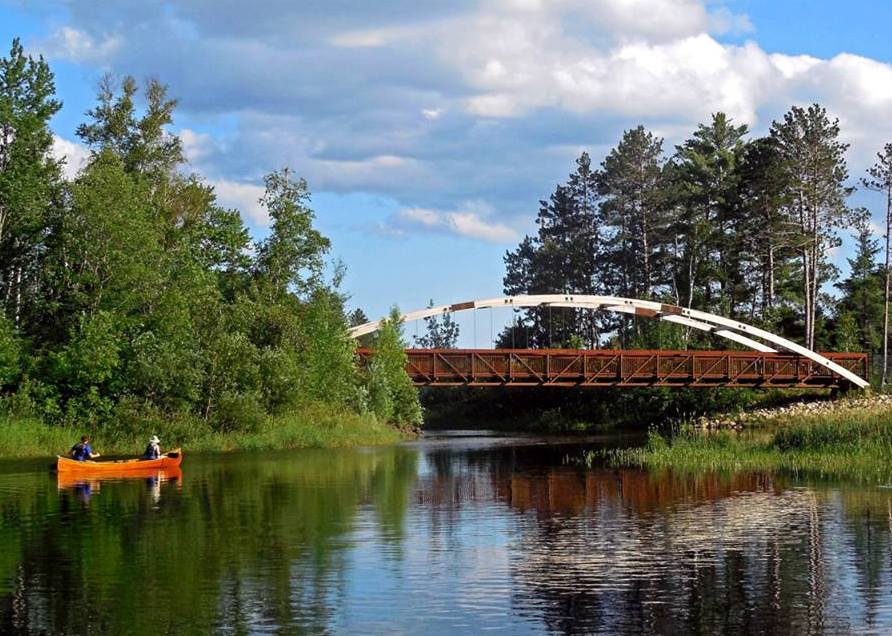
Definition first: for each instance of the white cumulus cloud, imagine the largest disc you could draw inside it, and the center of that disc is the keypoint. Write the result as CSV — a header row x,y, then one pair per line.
x,y
78,45
469,221
244,197
436,103
74,154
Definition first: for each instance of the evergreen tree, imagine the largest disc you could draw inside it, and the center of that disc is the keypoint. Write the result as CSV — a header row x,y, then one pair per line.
x,y
439,334
862,291
879,179
391,394
766,233
709,216
634,214
354,319
813,169
562,257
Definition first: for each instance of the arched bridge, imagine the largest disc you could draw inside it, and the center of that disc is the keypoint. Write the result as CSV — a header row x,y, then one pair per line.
x,y
772,361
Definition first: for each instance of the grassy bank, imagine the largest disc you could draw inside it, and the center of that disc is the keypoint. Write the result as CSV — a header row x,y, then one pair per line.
x,y
314,427
854,442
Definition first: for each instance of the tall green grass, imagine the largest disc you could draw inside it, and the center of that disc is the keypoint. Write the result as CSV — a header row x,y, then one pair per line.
x,y
316,426
855,443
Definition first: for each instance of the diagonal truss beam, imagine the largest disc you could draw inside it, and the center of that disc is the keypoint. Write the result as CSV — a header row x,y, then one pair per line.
x,y
742,333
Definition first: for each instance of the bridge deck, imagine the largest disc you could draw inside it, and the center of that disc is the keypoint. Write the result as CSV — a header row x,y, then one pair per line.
x,y
600,367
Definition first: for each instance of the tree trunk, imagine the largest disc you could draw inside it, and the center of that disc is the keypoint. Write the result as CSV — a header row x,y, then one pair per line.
x,y
646,259
815,256
18,296
886,295
806,285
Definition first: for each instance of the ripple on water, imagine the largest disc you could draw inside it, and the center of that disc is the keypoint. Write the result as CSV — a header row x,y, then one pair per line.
x,y
447,537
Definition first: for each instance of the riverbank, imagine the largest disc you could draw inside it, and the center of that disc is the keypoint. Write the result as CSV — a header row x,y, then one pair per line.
x,y
851,439
789,411
313,427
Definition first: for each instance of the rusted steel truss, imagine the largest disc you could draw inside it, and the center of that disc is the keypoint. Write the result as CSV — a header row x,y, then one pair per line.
x,y
600,367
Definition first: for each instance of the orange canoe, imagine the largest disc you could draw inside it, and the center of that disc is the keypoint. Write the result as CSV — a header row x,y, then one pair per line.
x,y
170,459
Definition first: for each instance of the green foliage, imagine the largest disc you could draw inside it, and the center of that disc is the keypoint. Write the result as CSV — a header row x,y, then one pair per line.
x,y
562,256
860,311
90,358
142,143
728,225
391,395
854,442
327,357
440,333
847,336
10,351
291,258
129,297
29,179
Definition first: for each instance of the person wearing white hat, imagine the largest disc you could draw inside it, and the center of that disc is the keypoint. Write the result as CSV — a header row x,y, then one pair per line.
x,y
153,450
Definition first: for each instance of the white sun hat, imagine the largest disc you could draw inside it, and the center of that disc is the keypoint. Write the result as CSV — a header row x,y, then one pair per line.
x,y
155,440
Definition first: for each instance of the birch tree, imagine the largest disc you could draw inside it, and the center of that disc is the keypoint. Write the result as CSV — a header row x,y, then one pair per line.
x,y
29,175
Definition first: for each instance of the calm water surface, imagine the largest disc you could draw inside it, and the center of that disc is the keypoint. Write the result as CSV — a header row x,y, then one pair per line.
x,y
450,534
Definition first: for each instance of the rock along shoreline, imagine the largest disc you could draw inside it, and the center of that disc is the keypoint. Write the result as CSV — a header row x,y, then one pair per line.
x,y
774,414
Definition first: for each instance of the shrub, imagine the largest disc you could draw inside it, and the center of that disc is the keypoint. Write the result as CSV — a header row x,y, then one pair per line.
x,y
238,412
392,396
10,350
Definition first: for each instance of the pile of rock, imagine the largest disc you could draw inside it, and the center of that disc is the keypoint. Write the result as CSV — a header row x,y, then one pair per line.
x,y
737,421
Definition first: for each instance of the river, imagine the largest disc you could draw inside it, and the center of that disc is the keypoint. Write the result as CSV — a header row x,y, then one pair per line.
x,y
453,533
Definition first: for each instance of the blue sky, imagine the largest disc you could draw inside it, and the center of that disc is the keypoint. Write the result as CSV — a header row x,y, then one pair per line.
x,y
429,130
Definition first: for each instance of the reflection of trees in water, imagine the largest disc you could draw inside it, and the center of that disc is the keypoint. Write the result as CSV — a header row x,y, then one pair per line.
x,y
626,551
252,543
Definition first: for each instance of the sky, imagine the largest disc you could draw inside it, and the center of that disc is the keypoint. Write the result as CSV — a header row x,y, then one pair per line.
x,y
429,131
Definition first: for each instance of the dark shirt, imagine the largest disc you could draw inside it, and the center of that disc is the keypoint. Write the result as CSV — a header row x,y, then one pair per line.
x,y
153,451
81,451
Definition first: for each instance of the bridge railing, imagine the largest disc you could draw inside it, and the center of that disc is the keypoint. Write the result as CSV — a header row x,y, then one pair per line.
x,y
600,367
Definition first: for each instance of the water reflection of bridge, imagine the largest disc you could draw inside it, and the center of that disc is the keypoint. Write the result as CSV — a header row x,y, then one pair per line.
x,y
625,551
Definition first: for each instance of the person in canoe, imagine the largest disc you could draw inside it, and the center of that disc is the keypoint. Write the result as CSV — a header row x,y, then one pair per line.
x,y
82,451
153,450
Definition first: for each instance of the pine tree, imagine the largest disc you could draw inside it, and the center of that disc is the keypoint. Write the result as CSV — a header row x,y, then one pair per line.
x,y
707,167
862,297
813,168
561,257
633,212
439,333
879,179
766,233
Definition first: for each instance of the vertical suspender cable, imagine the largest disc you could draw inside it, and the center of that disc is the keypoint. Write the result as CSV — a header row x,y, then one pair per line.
x,y
475,327
549,327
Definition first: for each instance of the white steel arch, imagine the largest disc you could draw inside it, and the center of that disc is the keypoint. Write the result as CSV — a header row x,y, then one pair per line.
x,y
739,332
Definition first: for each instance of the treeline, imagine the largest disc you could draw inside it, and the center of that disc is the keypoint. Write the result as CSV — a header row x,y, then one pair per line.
x,y
129,292
726,223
